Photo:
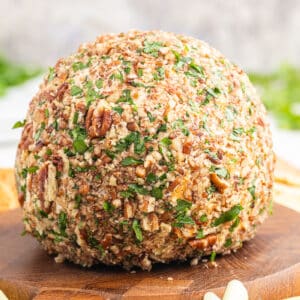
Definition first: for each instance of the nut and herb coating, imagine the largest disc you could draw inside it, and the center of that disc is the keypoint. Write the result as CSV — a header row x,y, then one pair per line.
x,y
144,147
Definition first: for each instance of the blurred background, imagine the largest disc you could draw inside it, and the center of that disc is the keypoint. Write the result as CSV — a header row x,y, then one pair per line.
x,y
261,36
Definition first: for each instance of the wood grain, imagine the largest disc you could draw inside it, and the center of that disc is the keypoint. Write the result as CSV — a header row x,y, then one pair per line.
x,y
269,266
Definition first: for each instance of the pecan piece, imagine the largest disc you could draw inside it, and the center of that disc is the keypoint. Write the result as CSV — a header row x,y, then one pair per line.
x,y
187,146
27,137
219,183
61,91
150,222
204,243
98,121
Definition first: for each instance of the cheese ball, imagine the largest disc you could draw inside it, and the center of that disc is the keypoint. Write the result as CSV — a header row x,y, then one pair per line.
x,y
143,148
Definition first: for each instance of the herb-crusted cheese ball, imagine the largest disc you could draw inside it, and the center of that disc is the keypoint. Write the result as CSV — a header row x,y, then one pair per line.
x,y
144,147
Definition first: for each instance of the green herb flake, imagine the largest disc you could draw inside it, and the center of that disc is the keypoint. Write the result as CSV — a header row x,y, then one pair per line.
x,y
137,230
236,133
108,207
151,178
182,220
131,161
200,234
125,97
76,66
75,117
76,91
183,205
228,215
157,192
228,242
152,48
19,124
159,74
99,83
150,116
203,218
139,189
234,224
251,189
118,109
80,146
62,222
78,199
213,256
166,142
140,72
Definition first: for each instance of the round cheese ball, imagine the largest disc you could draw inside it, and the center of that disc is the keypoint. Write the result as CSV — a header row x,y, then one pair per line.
x,y
144,147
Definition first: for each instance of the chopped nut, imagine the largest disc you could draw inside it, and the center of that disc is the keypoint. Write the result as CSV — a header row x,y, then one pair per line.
x,y
150,223
202,244
140,171
128,210
98,121
219,183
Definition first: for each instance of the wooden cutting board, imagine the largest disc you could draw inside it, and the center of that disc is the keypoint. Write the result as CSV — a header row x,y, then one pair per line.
x,y
269,266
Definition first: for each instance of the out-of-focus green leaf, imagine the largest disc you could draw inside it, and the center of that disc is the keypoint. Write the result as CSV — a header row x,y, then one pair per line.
x,y
12,74
280,93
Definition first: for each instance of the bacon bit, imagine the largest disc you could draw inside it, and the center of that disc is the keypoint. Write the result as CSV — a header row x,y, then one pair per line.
x,y
219,183
98,121
61,91
202,244
187,146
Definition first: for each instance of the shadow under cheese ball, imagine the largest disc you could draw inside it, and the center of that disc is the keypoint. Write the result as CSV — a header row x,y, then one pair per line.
x,y
144,147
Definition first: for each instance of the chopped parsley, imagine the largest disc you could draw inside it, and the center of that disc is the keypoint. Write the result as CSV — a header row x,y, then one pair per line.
x,y
180,124
131,161
99,83
228,242
203,218
152,48
76,91
150,116
108,207
137,230
151,178
62,222
182,218
118,109
139,189
236,133
251,189
159,74
19,124
79,65
229,215
200,234
126,97
213,256
234,224
157,192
